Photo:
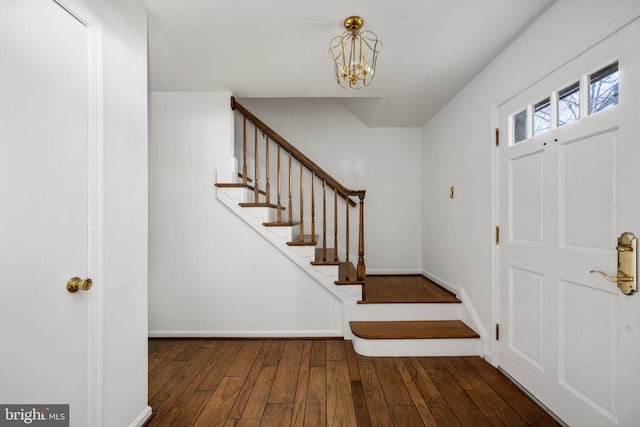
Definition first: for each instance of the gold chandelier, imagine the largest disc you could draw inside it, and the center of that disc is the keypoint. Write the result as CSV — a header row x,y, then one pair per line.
x,y
354,54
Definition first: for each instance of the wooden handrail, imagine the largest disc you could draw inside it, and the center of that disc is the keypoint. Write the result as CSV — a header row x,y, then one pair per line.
x,y
306,165
317,170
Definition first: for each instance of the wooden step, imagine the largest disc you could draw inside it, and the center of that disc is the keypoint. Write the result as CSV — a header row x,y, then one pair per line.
x,y
259,205
413,329
406,289
353,275
280,224
307,240
329,257
230,185
240,185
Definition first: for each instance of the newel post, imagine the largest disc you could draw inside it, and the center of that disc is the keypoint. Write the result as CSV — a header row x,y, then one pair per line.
x,y
362,269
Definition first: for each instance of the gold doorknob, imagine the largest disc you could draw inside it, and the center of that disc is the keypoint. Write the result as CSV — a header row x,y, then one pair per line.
x,y
75,283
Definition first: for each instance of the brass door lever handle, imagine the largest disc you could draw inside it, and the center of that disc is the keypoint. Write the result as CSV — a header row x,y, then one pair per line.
x,y
614,279
627,264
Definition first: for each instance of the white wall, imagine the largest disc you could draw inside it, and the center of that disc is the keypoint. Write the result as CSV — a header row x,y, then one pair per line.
x,y
458,235
386,162
210,274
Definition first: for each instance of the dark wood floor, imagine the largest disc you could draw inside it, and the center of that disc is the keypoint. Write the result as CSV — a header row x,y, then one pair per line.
x,y
200,382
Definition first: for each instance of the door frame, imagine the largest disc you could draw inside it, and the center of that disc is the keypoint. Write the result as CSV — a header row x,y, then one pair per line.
x,y
95,208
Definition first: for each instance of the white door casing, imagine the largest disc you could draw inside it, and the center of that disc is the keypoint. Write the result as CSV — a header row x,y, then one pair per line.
x,y
48,188
570,337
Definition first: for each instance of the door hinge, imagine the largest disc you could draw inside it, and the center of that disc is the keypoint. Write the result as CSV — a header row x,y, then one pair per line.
x,y
497,235
497,332
497,137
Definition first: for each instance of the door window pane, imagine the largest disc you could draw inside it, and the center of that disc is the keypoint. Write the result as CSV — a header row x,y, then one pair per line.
x,y
541,117
569,104
603,89
520,126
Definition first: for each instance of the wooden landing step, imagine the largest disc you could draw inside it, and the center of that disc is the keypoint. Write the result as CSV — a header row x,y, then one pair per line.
x,y
394,289
428,329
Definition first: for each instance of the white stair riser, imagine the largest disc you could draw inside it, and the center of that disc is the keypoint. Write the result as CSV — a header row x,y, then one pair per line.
x,y
403,311
417,347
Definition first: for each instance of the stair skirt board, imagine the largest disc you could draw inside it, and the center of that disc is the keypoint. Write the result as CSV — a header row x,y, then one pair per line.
x,y
329,333
417,347
280,236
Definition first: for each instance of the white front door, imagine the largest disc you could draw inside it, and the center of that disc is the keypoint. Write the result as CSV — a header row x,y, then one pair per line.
x,y
570,337
44,206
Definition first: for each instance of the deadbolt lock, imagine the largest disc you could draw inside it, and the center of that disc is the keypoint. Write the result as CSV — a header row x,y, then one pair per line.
x,y
627,264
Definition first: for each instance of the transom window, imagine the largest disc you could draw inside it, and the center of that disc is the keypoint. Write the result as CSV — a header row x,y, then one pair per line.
x,y
591,94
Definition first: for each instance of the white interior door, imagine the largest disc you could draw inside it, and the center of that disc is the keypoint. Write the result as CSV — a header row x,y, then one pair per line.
x,y
44,128
570,337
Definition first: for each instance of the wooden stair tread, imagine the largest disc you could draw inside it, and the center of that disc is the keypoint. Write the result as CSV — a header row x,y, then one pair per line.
x,y
259,205
307,240
412,329
353,275
230,185
406,289
329,257
280,224
240,185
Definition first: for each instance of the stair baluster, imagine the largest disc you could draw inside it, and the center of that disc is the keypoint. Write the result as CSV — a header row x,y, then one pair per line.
x,y
290,192
335,225
301,204
267,188
256,190
279,213
324,221
362,269
340,194
244,151
313,205
347,275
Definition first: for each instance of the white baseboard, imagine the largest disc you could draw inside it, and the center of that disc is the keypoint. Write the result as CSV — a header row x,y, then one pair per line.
x,y
247,334
142,418
387,272
448,286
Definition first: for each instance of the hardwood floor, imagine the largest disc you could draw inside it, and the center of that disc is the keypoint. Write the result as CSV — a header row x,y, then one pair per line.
x,y
199,382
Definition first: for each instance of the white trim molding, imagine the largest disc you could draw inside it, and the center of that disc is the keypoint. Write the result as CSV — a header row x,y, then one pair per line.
x,y
275,333
142,418
469,314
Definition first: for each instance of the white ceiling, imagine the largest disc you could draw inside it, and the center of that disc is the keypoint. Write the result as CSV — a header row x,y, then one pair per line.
x,y
279,49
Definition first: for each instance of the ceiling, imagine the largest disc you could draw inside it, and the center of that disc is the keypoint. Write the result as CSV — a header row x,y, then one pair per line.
x,y
279,49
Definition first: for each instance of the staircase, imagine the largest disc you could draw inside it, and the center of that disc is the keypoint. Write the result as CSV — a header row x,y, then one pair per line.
x,y
384,316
